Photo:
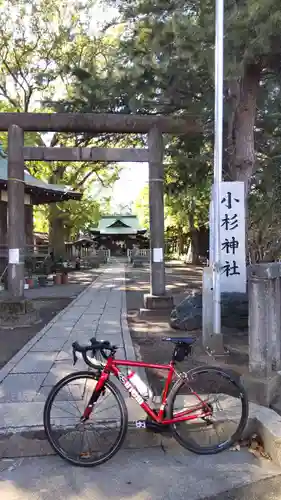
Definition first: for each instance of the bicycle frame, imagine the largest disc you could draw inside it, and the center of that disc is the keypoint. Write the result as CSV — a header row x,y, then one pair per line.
x,y
112,367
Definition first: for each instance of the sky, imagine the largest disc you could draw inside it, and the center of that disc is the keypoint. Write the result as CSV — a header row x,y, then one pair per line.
x,y
125,191
133,177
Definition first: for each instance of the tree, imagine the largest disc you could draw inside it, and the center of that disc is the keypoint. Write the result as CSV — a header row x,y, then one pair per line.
x,y
36,65
157,57
186,214
167,53
35,60
79,216
141,207
169,47
40,219
264,196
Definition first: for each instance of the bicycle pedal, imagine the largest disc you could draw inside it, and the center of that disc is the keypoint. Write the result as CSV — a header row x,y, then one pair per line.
x,y
151,426
140,424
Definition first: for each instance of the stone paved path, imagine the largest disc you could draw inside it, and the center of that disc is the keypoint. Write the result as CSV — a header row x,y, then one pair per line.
x,y
25,381
28,377
151,474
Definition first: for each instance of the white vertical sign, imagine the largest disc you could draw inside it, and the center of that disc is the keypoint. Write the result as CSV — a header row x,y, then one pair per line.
x,y
233,230
233,248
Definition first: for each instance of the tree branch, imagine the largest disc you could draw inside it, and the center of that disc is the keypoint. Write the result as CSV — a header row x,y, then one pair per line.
x,y
80,183
8,97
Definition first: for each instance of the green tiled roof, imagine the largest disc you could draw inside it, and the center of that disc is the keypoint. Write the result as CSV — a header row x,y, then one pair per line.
x,y
119,224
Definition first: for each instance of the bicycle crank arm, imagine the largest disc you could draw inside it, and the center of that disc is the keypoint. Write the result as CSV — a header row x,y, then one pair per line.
x,y
152,426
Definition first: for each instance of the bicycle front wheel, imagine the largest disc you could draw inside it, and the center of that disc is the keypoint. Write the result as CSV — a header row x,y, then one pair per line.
x,y
87,443
226,400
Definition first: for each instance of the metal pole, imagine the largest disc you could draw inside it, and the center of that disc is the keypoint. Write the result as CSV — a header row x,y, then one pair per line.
x,y
218,158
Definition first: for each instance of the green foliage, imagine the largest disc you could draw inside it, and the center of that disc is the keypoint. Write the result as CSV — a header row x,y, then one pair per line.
x,y
78,216
141,207
40,219
167,49
158,57
35,46
41,58
265,221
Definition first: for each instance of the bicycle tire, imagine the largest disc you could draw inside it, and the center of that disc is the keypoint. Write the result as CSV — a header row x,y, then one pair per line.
x,y
123,411
187,443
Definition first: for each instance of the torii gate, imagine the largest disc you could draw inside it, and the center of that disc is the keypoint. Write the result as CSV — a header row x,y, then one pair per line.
x,y
154,126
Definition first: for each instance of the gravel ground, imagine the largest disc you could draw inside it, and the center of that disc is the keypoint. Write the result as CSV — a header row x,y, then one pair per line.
x,y
147,335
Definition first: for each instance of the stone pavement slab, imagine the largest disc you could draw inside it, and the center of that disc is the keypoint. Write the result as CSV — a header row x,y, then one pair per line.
x,y
26,380
35,362
25,415
61,369
28,377
265,489
150,474
60,330
47,344
21,387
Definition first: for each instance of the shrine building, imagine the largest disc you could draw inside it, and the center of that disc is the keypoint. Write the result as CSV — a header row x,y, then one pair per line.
x,y
118,233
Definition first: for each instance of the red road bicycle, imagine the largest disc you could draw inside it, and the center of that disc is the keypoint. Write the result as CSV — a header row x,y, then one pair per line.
x,y
191,410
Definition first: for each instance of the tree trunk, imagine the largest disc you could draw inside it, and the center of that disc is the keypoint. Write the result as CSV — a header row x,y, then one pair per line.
x,y
194,240
243,95
56,231
56,221
180,243
242,98
67,233
195,257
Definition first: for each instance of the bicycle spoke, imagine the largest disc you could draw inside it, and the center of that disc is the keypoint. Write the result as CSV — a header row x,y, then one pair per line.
x,y
105,397
91,440
61,409
89,446
97,433
82,441
104,409
221,397
87,397
73,400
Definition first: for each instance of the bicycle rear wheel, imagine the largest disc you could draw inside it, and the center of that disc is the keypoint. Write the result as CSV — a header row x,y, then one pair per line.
x,y
87,443
228,404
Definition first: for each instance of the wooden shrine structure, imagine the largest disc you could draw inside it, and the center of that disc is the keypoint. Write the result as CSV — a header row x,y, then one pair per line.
x,y
119,233
36,192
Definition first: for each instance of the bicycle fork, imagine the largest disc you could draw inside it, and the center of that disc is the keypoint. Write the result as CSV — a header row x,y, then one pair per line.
x,y
98,391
